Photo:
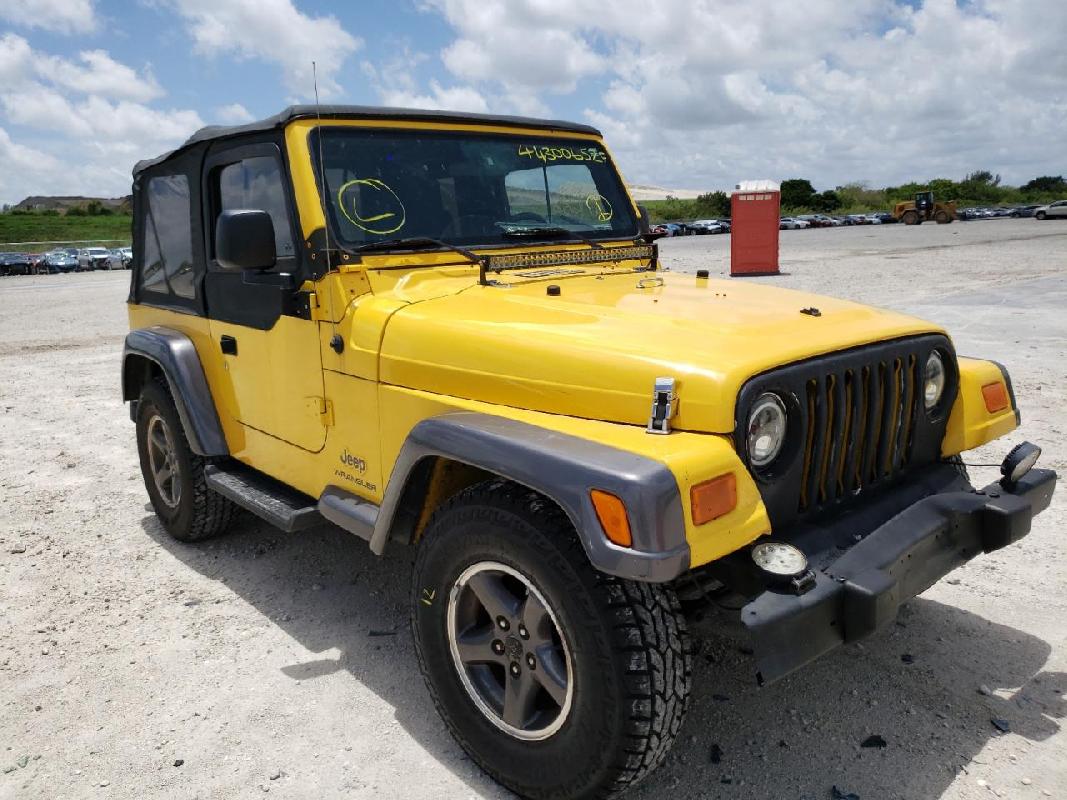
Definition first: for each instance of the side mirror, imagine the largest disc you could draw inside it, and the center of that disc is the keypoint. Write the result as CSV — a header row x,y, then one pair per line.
x,y
244,239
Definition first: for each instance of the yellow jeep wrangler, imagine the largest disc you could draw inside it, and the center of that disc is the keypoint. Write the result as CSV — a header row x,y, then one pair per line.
x,y
451,332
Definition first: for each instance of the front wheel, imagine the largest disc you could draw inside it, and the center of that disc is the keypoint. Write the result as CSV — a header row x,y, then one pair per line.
x,y
559,681
173,474
910,218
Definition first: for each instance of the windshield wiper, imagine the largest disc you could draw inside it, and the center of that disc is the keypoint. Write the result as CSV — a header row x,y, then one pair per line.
x,y
550,231
417,243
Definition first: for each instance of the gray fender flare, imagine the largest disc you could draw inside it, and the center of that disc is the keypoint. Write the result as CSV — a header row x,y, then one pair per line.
x,y
175,355
563,468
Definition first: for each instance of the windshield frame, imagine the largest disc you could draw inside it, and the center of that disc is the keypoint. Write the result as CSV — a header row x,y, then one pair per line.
x,y
328,209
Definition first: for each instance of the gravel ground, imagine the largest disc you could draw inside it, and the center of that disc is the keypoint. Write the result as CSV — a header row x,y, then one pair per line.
x,y
132,666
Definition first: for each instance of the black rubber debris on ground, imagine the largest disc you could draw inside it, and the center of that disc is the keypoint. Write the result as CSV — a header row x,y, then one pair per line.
x,y
1001,725
908,658
874,741
720,697
179,761
716,754
837,794
382,633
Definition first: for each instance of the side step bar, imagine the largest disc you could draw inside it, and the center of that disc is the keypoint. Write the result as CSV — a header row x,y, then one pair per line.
x,y
270,500
348,511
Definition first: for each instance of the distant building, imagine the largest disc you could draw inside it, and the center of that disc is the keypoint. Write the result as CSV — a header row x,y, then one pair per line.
x,y
62,203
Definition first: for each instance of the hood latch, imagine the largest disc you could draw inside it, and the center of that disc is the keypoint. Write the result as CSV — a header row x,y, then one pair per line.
x,y
664,406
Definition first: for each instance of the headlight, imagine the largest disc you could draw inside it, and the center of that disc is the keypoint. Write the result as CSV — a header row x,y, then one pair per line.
x,y
766,430
934,380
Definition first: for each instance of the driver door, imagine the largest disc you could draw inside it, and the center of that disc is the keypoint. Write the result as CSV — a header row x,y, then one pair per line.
x,y
268,345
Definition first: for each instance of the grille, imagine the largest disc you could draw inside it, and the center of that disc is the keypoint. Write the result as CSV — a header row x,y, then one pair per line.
x,y
860,423
856,422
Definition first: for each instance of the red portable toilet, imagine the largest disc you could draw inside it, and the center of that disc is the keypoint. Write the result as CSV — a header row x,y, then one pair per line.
x,y
755,206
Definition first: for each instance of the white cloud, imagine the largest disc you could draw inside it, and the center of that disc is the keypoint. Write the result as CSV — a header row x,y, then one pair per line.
x,y
233,114
455,98
98,73
703,93
61,16
94,72
532,44
273,31
87,121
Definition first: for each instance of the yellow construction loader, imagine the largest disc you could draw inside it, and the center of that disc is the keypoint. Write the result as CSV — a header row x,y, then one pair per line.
x,y
924,209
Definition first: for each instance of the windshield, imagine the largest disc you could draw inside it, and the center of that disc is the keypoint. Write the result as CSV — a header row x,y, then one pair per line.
x,y
469,188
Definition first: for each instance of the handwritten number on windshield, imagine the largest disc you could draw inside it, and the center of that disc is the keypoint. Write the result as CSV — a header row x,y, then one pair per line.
x,y
550,154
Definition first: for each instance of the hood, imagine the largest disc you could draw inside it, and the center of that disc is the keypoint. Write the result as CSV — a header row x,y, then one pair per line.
x,y
595,350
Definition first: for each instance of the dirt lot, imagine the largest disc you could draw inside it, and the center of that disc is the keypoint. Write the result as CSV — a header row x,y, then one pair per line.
x,y
135,667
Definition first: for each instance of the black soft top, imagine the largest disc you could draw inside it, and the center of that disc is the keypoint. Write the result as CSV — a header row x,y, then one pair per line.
x,y
213,132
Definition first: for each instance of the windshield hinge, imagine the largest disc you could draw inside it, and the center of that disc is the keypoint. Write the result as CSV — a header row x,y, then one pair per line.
x,y
664,406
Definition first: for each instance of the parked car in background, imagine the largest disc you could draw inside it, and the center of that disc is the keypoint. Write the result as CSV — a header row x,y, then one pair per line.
x,y
1024,211
15,264
1057,210
813,220
58,261
122,256
872,219
93,258
706,226
859,219
884,217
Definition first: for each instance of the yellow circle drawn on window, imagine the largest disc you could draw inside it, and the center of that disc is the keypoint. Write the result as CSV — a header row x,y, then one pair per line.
x,y
392,216
600,206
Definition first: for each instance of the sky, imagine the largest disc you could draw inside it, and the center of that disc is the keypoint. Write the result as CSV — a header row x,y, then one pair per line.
x,y
691,94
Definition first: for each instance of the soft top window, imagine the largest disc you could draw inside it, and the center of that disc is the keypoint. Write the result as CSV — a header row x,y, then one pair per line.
x,y
167,265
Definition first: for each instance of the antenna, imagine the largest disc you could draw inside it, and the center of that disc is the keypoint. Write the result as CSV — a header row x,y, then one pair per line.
x,y
336,342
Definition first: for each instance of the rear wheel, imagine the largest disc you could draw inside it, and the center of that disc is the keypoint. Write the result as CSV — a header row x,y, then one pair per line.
x,y
942,218
559,681
173,473
910,218
1040,215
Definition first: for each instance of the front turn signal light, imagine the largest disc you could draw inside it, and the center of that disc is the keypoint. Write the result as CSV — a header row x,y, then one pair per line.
x,y
712,499
611,512
996,397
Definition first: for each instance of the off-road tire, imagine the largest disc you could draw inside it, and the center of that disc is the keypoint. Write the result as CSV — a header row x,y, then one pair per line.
x,y
942,218
200,512
910,218
628,640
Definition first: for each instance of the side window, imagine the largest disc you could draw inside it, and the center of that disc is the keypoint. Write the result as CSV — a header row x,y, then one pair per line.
x,y
257,183
168,248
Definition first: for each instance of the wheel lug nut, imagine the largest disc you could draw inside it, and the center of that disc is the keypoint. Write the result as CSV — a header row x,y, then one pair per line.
x,y
498,647
502,623
514,669
523,633
531,662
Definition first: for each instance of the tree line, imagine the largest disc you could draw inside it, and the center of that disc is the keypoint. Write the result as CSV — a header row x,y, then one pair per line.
x,y
979,188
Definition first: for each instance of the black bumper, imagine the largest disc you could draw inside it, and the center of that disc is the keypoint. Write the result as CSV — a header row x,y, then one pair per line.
x,y
859,589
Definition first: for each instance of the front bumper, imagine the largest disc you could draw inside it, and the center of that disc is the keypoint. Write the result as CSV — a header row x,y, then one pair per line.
x,y
863,575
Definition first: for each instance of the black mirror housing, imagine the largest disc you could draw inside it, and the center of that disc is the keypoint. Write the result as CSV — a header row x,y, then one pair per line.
x,y
244,239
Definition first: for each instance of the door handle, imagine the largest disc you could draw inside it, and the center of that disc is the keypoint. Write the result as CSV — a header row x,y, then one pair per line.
x,y
228,345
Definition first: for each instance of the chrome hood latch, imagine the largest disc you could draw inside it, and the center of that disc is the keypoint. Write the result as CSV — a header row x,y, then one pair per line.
x,y
664,406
